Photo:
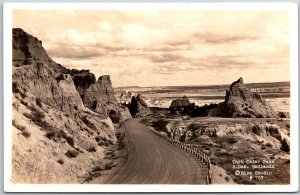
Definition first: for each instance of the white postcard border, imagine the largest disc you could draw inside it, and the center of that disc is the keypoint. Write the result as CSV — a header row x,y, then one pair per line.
x,y
7,80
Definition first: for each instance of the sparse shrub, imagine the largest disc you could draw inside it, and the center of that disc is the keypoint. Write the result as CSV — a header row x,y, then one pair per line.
x,y
88,123
27,115
269,144
26,133
16,105
103,143
70,141
51,134
61,161
13,122
97,168
15,87
98,138
120,136
109,165
92,149
18,126
96,172
23,95
260,116
109,142
72,153
38,115
282,115
231,140
22,128
55,134
38,102
104,124
285,146
24,102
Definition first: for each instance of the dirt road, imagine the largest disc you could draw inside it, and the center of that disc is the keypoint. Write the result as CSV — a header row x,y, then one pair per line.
x,y
151,160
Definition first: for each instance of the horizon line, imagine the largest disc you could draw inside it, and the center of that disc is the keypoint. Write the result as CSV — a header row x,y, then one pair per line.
x,y
199,85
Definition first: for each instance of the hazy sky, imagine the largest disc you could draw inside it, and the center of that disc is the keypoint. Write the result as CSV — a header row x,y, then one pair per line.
x,y
159,48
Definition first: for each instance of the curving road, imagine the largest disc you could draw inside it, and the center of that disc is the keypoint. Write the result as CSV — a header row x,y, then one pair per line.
x,y
152,160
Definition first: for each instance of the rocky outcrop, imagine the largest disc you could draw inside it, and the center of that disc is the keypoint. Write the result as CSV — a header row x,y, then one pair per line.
x,y
125,97
180,103
190,130
138,107
240,102
55,90
83,80
99,95
94,94
27,50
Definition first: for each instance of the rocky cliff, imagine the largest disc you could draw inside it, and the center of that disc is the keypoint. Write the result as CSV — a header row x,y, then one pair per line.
x,y
62,124
27,49
34,72
138,107
240,102
99,95
180,103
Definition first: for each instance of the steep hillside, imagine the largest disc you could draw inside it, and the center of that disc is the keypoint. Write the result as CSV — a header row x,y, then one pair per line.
x,y
57,137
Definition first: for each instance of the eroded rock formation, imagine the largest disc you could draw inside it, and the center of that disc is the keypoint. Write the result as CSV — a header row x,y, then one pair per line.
x,y
125,97
180,103
53,119
189,130
241,102
99,95
138,107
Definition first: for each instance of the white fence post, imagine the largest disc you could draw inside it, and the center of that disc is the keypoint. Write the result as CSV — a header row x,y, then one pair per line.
x,y
209,176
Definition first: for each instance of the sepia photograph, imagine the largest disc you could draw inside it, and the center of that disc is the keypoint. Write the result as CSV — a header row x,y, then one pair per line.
x,y
183,95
